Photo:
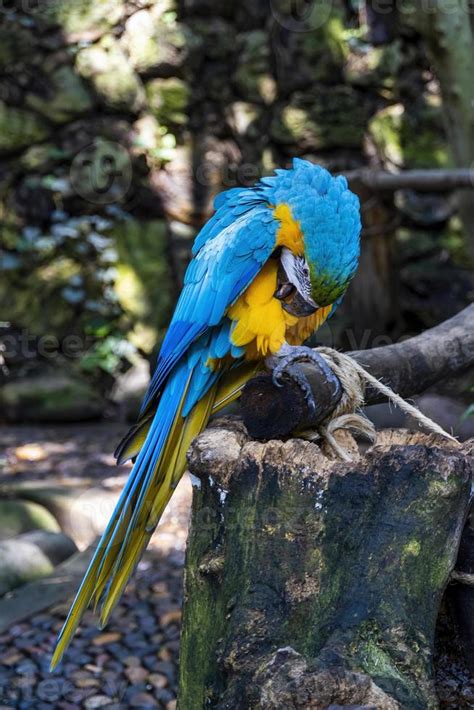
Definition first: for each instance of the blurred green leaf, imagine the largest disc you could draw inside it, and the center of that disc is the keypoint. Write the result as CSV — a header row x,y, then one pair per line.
x,y
468,413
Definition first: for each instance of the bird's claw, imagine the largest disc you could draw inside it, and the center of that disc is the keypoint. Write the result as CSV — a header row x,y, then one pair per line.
x,y
286,367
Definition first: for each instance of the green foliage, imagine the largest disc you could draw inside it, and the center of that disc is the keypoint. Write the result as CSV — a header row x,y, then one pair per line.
x,y
107,355
168,100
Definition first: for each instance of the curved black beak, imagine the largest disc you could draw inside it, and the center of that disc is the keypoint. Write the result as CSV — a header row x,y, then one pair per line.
x,y
300,306
293,302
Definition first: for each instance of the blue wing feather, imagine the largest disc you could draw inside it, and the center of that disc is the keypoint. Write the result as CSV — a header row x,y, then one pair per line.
x,y
228,205
221,270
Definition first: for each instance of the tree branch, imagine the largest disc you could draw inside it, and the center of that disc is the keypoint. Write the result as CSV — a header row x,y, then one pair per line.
x,y
408,368
423,180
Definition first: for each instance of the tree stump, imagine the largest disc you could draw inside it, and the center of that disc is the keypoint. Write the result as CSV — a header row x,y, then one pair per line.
x,y
312,583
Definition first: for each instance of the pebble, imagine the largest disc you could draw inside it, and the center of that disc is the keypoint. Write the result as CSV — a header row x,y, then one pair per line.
x,y
164,695
169,669
82,659
132,661
87,683
135,640
172,617
158,680
105,639
131,665
11,658
96,701
143,700
114,666
136,674
26,668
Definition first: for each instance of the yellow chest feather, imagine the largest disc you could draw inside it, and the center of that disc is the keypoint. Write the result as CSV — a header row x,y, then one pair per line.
x,y
261,324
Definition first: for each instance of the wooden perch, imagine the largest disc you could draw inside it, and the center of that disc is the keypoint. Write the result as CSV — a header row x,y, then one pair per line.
x,y
312,583
408,367
431,180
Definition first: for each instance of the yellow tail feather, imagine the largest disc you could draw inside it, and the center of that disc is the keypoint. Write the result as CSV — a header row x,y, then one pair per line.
x,y
133,441
80,604
113,567
172,464
104,562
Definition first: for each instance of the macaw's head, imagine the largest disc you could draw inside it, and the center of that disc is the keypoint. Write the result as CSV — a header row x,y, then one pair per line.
x,y
328,214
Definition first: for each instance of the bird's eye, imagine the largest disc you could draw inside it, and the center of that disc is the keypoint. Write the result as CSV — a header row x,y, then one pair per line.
x,y
306,271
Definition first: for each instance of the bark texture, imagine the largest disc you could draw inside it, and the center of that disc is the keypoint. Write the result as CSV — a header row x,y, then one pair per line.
x,y
408,368
312,583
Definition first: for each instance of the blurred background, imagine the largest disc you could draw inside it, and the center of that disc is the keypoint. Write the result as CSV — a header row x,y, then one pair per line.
x,y
120,120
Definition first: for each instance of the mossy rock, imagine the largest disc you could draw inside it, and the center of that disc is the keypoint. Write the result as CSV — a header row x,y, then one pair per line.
x,y
154,41
68,96
55,397
31,556
83,16
325,118
39,157
144,284
82,512
19,128
19,516
35,300
106,66
168,100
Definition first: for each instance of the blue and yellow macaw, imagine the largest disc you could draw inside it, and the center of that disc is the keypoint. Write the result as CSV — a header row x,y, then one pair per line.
x,y
267,270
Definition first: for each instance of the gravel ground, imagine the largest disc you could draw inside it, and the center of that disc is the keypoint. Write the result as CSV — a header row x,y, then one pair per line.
x,y
134,662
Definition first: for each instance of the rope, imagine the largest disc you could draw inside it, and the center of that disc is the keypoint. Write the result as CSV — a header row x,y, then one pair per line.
x,y
353,378
466,578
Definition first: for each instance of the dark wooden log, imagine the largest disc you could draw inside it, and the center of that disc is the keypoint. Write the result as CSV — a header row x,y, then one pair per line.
x,y
408,367
312,583
270,417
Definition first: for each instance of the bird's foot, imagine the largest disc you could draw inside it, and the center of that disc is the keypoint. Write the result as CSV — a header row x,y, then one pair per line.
x,y
286,366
